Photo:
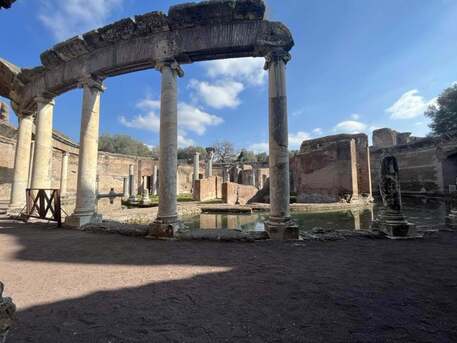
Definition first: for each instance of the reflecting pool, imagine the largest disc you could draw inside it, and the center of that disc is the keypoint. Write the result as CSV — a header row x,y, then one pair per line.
x,y
426,214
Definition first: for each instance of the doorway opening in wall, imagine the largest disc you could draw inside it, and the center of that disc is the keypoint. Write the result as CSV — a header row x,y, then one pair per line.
x,y
450,173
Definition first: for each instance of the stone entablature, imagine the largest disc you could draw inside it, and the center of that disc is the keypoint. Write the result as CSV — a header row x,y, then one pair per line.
x,y
189,33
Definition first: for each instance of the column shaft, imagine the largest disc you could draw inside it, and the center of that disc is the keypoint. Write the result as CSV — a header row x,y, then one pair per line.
x,y
279,225
41,174
21,162
168,145
86,195
196,166
64,174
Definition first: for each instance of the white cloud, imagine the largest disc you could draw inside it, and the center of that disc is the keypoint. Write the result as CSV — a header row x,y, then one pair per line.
x,y
190,119
318,131
247,69
355,116
67,18
221,94
259,147
409,105
296,139
350,126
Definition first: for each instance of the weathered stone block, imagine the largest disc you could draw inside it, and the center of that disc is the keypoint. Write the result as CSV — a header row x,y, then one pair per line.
x,y
71,48
151,23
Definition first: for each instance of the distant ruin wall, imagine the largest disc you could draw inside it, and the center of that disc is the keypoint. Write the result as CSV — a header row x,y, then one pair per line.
x,y
208,189
234,193
331,169
428,166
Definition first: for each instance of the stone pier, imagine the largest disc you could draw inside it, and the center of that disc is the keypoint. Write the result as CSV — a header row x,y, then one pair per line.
x,y
279,225
167,221
145,200
154,180
21,163
86,197
132,192
41,174
209,162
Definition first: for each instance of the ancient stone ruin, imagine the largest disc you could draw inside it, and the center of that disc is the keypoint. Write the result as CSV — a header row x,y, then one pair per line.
x,y
189,33
391,220
7,314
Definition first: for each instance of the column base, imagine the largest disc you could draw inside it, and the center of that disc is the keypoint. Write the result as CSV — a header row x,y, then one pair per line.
x,y
451,220
281,229
395,226
79,219
133,201
14,210
146,201
164,228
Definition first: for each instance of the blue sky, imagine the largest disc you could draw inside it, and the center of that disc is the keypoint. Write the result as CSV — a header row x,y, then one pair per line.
x,y
357,65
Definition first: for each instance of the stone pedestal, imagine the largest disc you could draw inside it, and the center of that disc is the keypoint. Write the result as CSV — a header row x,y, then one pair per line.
x,y
41,174
167,221
395,225
21,164
86,195
281,229
279,226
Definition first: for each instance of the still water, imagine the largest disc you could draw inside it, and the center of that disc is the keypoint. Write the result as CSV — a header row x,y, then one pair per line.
x,y
424,213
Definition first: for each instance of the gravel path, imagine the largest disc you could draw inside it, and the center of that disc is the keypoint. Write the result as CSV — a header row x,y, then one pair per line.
x,y
73,286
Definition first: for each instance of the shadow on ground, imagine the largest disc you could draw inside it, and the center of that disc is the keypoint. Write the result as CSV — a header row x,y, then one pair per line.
x,y
357,290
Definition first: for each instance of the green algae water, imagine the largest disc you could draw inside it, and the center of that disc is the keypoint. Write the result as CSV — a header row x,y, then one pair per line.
x,y
426,214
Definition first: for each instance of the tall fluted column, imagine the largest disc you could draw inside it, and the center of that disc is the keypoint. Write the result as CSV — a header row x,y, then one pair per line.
x,y
64,174
279,225
86,195
21,163
41,174
196,166
167,219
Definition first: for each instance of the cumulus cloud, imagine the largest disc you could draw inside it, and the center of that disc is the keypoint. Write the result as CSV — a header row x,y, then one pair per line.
x,y
190,119
318,131
221,94
247,69
350,126
259,147
67,18
409,105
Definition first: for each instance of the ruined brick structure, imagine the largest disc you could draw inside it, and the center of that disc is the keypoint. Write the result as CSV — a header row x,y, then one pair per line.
x,y
332,169
428,166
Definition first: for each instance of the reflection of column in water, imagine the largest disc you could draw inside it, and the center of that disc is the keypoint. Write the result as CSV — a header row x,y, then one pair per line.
x,y
208,221
356,216
232,222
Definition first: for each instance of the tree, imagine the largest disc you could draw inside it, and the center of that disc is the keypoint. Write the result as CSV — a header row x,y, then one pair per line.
x,y
248,156
189,152
224,151
444,113
262,157
123,144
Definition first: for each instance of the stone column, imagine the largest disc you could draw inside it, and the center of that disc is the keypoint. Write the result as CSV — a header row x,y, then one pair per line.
x,y
86,197
226,174
41,174
196,166
370,186
126,188
279,225
155,174
132,192
64,174
32,152
253,183
145,200
167,219
21,163
209,164
354,171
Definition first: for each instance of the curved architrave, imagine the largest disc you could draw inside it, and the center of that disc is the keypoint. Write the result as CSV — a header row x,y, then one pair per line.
x,y
235,29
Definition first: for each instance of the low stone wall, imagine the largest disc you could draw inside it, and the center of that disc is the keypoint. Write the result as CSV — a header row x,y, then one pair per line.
x,y
234,193
208,189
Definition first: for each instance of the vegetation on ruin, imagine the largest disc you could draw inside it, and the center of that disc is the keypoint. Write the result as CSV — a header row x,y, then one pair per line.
x,y
444,113
123,144
188,153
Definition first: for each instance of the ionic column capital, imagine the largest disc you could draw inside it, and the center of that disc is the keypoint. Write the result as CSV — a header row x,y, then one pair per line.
x,y
275,56
172,64
92,82
46,98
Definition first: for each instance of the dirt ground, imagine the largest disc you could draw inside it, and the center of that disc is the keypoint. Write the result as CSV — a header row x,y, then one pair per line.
x,y
72,286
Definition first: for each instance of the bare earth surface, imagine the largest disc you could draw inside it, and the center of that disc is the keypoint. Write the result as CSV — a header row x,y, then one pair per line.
x,y
72,286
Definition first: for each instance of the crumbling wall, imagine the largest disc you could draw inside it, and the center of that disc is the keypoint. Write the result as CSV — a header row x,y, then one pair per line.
x,y
331,169
236,194
208,189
